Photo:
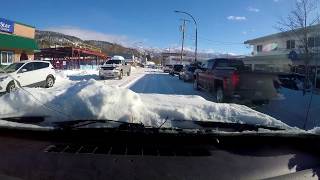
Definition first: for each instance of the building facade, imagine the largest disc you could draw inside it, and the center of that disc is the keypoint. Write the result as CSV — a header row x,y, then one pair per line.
x,y
280,52
17,42
175,58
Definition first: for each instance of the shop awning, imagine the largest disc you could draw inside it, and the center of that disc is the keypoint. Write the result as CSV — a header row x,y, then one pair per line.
x,y
17,42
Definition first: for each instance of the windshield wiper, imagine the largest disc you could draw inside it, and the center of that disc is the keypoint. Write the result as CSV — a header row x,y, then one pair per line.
x,y
229,127
178,125
25,119
74,124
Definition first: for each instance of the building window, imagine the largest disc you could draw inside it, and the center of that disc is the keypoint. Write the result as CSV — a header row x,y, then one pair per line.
x,y
314,41
6,57
291,44
259,48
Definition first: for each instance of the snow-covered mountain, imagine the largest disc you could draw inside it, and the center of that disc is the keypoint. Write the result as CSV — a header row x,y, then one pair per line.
x,y
48,39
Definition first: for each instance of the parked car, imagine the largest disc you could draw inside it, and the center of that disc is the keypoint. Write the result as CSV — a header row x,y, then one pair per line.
x,y
177,68
292,81
188,73
167,68
229,78
27,73
116,67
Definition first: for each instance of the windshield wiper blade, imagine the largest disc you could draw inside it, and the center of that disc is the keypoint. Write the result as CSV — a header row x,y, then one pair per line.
x,y
74,124
238,127
25,119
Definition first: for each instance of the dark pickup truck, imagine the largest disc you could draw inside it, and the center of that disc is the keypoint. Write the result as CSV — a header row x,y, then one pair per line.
x,y
229,79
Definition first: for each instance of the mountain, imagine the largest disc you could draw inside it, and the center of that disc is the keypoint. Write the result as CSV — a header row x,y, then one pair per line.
x,y
113,49
47,39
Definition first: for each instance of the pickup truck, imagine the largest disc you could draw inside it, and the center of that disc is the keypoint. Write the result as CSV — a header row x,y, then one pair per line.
x,y
116,67
229,79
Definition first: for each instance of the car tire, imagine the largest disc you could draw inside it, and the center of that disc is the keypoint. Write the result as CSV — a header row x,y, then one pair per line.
x,y
101,77
49,82
180,77
128,73
220,95
196,85
11,87
120,75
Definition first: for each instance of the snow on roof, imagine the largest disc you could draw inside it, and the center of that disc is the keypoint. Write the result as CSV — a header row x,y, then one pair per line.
x,y
283,34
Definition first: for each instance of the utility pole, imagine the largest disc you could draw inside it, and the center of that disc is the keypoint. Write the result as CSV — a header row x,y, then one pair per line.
x,y
196,26
183,35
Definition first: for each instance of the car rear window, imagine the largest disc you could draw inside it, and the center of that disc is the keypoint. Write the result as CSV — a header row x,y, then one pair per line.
x,y
231,63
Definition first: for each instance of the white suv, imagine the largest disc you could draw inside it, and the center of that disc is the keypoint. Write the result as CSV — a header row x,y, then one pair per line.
x,y
27,73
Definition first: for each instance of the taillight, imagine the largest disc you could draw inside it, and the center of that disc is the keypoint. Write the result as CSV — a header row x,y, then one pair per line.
x,y
235,79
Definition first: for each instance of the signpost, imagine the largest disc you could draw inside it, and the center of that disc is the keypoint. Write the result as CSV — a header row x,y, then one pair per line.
x,y
6,26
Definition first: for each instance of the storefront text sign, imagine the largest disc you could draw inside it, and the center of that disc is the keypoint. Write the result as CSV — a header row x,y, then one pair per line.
x,y
6,26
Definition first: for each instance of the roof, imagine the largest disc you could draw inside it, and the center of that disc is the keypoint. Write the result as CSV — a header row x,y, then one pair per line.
x,y
281,34
17,42
65,52
27,61
24,24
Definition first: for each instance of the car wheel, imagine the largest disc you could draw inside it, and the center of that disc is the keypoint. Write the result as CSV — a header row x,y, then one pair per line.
x,y
49,81
196,85
180,77
101,78
11,87
121,75
219,95
128,73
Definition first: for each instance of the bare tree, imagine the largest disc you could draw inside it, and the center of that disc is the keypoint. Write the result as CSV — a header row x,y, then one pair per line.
x,y
300,25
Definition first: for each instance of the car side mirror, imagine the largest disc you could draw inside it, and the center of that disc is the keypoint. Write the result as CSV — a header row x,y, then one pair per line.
x,y
23,70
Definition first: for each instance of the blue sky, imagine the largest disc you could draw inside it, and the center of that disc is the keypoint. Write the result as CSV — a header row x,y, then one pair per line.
x,y
223,25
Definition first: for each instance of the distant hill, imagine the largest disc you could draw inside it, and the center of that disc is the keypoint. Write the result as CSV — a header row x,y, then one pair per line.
x,y
47,39
113,49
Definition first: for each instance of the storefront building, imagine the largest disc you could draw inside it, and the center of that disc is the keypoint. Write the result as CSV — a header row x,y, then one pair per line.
x,y
17,42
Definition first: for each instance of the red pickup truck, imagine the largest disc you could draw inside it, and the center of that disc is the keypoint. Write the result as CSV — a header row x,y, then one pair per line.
x,y
229,79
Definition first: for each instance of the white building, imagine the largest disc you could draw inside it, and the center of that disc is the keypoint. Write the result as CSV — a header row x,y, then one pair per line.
x,y
175,58
278,52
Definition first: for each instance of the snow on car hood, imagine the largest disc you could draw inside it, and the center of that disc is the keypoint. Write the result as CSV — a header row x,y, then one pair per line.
x,y
94,100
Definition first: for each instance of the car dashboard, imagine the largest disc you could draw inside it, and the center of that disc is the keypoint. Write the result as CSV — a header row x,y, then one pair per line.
x,y
97,154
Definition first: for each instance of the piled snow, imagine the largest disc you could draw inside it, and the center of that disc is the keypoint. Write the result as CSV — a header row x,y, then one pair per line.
x,y
91,99
315,130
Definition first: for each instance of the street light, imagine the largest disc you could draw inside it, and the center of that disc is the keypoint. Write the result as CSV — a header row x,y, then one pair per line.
x,y
195,23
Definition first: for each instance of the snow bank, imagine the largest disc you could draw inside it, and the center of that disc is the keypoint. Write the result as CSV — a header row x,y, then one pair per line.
x,y
91,99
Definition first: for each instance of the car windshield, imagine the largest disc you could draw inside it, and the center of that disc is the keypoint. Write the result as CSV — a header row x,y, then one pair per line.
x,y
192,68
249,62
12,67
113,62
178,67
